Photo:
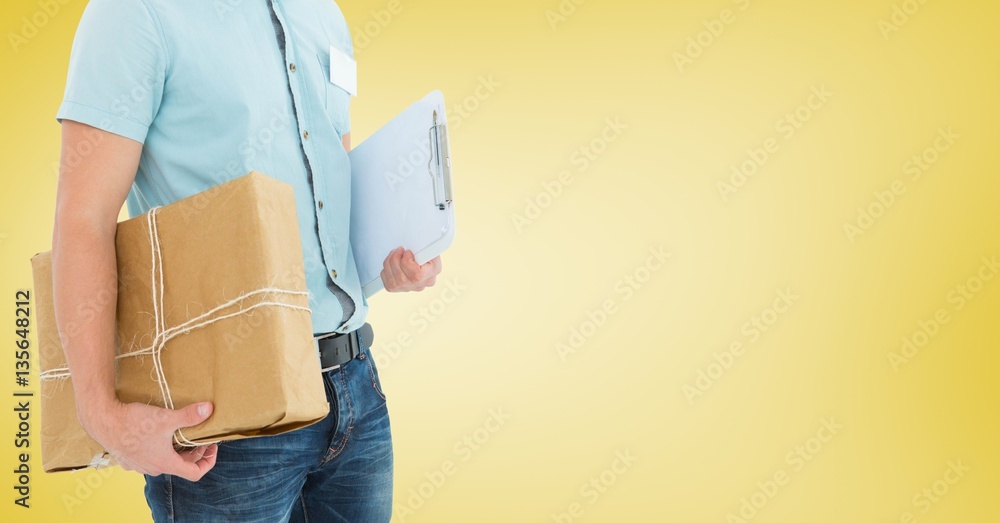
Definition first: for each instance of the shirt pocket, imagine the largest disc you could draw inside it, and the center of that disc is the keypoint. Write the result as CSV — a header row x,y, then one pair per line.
x,y
336,101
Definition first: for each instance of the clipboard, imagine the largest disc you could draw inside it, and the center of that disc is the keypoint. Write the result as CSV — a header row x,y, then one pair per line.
x,y
401,190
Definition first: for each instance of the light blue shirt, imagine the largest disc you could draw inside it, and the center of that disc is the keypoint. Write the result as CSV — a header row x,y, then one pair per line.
x,y
215,89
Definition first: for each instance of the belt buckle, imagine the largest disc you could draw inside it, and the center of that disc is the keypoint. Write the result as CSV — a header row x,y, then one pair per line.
x,y
333,334
317,339
354,342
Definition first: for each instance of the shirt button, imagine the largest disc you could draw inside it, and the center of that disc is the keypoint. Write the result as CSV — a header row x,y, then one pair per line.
x,y
291,67
321,205
305,135
333,274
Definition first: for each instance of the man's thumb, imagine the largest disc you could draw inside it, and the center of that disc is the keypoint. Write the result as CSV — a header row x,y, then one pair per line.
x,y
194,414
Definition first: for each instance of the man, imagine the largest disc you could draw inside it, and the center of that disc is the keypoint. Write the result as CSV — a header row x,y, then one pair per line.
x,y
165,99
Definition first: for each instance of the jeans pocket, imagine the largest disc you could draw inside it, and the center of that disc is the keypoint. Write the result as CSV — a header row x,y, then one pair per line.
x,y
376,383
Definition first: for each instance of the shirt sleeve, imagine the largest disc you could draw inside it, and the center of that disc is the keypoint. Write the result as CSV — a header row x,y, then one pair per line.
x,y
117,69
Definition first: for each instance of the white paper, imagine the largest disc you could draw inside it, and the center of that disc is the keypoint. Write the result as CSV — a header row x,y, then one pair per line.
x,y
343,71
392,193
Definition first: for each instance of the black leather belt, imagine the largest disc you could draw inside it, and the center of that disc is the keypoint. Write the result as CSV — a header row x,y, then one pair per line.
x,y
339,348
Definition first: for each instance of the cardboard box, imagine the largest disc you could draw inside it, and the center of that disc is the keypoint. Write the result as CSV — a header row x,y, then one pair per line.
x,y
230,264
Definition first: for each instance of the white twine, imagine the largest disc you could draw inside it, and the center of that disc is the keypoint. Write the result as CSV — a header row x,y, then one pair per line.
x,y
162,334
99,461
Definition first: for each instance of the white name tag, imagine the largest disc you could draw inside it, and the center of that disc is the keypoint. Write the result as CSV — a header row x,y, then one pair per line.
x,y
343,71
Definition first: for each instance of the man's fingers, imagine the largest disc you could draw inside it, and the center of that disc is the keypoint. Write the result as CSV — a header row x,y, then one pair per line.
x,y
401,272
433,266
387,280
193,455
397,272
387,277
390,275
191,471
199,454
411,268
207,463
420,273
186,470
424,285
191,415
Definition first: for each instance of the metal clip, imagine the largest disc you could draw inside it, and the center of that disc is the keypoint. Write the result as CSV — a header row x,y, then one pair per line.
x,y
439,166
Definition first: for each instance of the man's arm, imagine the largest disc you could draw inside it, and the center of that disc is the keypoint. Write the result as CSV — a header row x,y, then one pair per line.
x,y
84,272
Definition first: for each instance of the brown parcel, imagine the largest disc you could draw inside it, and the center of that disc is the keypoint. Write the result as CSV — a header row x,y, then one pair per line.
x,y
259,367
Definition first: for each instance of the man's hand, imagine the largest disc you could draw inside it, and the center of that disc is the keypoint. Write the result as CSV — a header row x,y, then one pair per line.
x,y
92,189
402,273
140,437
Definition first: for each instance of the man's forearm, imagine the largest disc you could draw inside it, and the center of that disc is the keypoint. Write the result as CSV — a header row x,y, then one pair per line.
x,y
85,292
92,189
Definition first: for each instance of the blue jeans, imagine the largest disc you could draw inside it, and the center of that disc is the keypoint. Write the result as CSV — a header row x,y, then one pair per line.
x,y
338,470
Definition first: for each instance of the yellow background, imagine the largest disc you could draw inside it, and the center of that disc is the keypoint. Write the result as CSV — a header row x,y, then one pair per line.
x,y
494,346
